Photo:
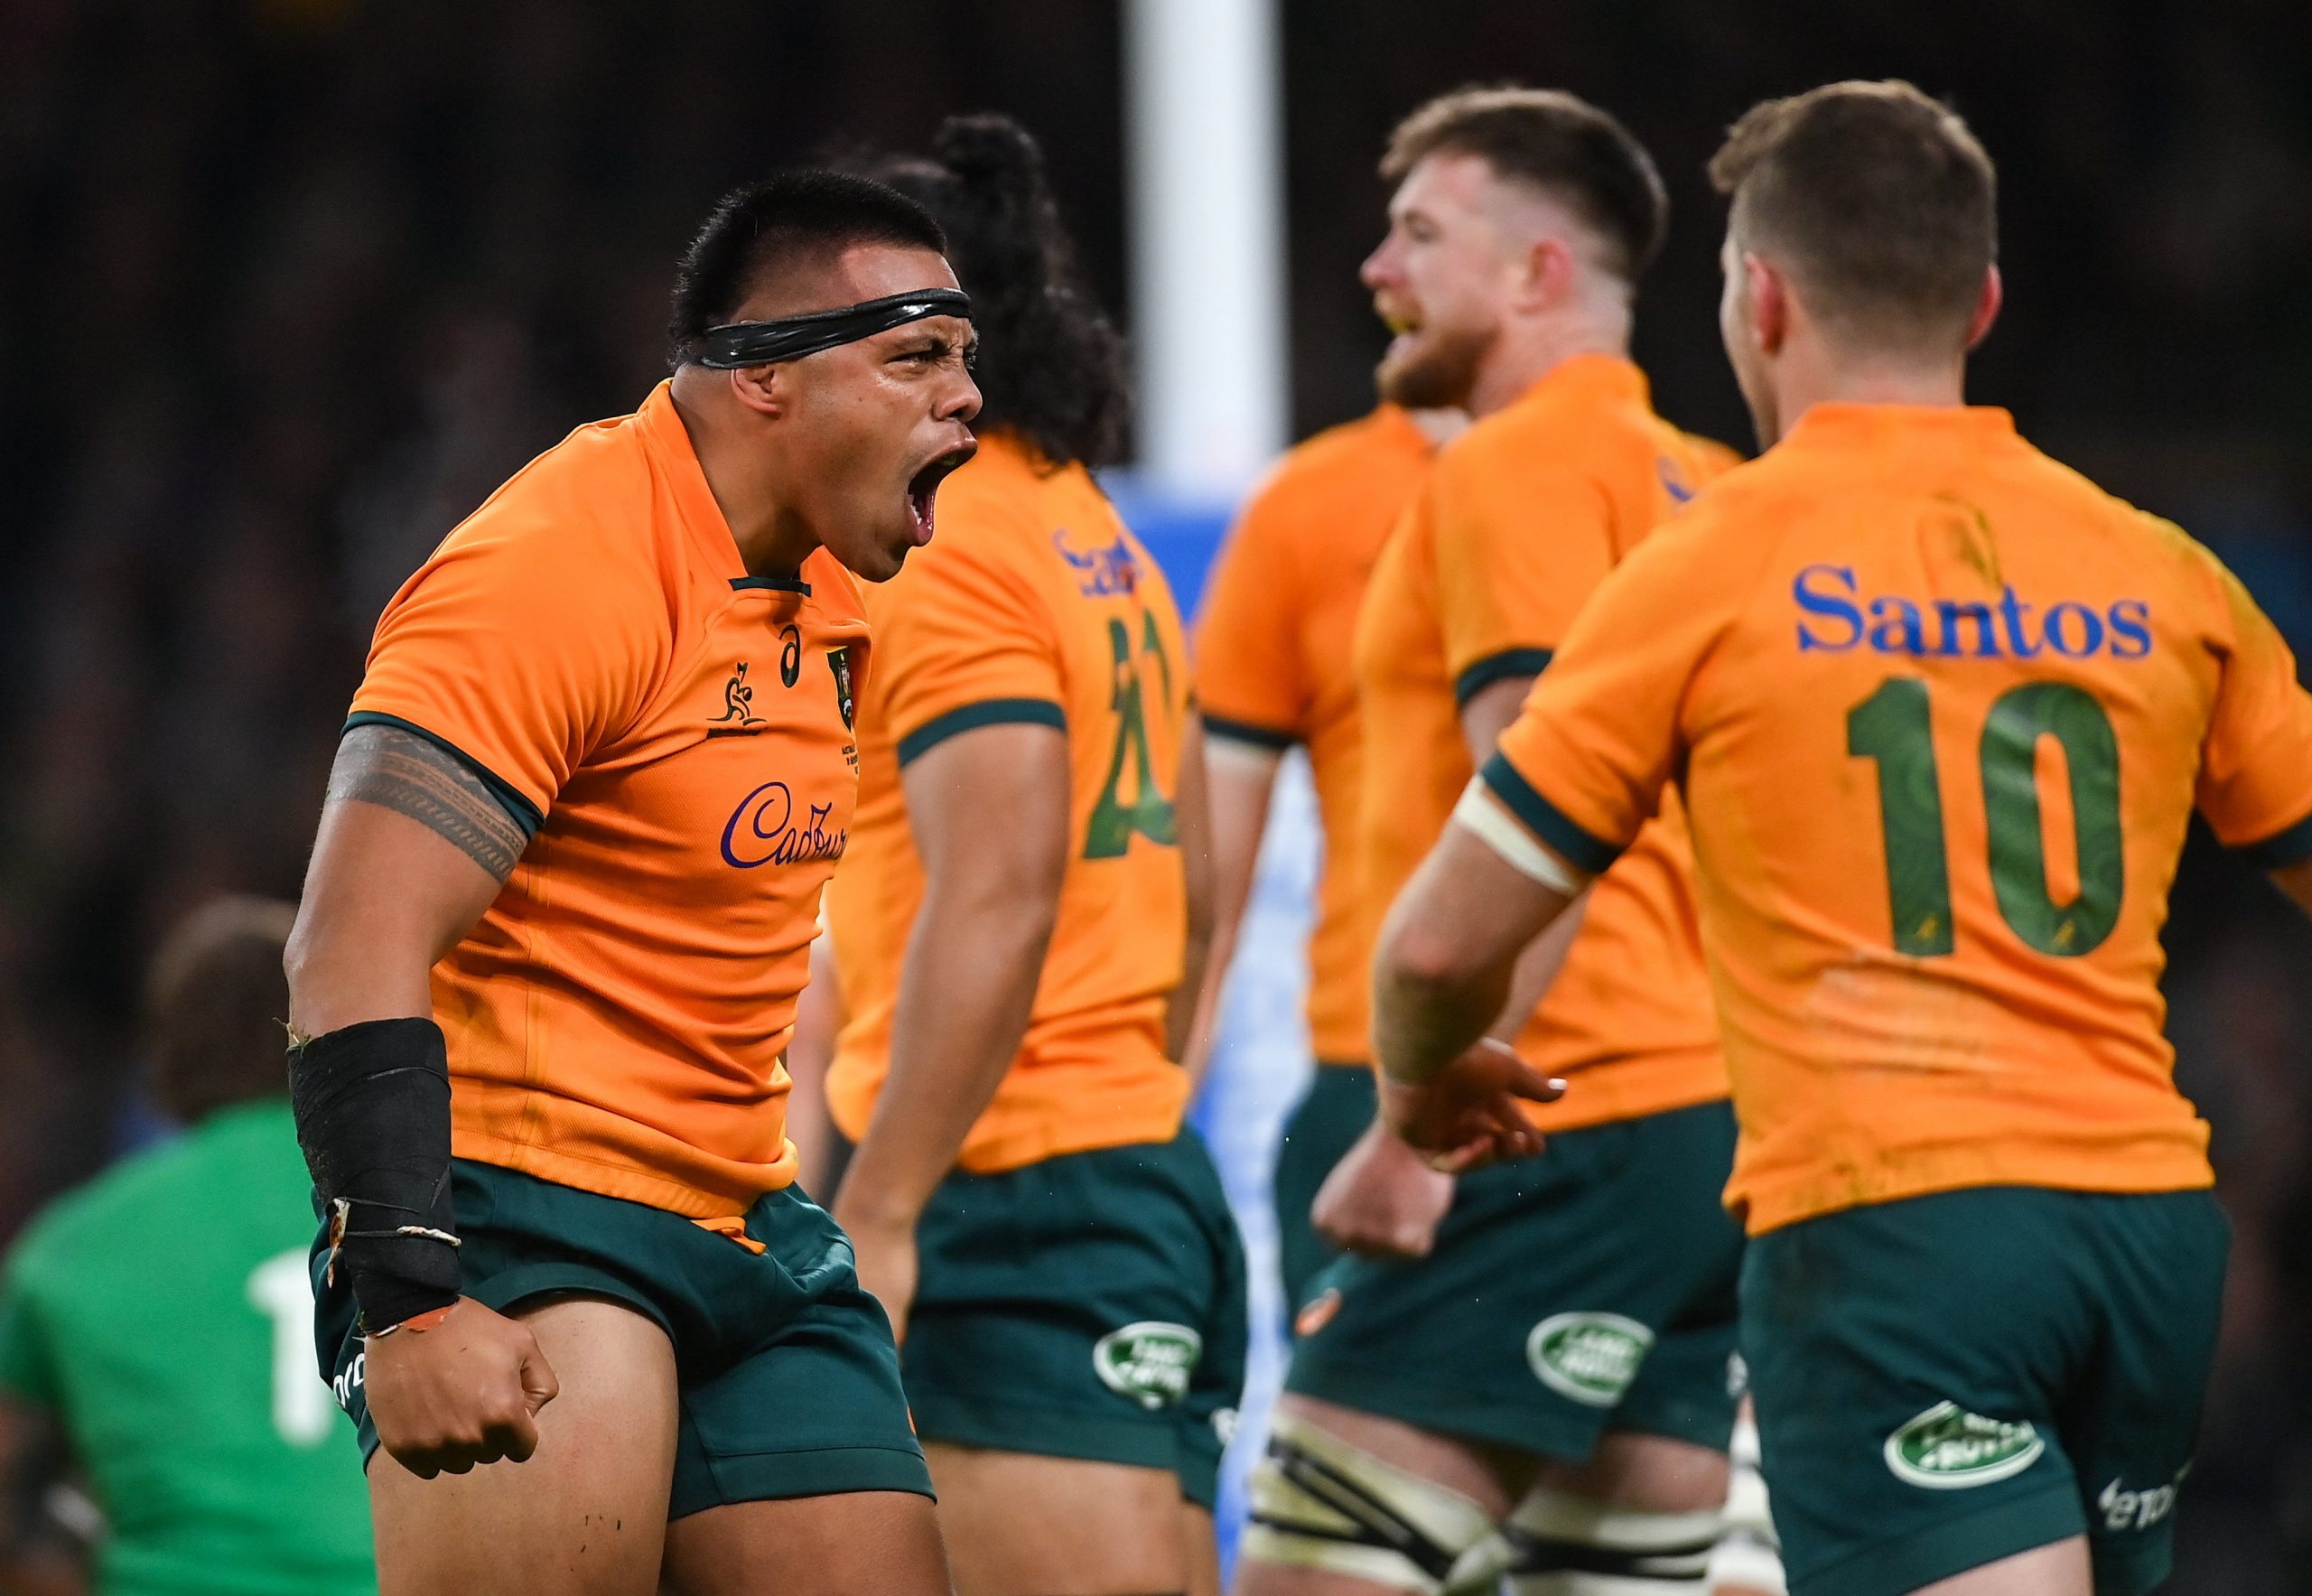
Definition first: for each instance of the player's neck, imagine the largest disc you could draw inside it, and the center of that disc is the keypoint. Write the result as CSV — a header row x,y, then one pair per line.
x,y
773,541
1527,352
1817,378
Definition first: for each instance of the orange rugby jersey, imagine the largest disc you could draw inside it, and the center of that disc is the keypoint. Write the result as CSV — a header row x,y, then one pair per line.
x,y
1517,523
1941,710
678,734
1033,604
1274,666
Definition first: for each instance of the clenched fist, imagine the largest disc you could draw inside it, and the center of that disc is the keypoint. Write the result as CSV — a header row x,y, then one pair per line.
x,y
466,1391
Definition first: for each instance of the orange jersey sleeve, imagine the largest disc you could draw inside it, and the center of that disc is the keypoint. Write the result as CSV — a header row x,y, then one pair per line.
x,y
973,645
2255,784
1585,763
1252,680
521,648
1520,545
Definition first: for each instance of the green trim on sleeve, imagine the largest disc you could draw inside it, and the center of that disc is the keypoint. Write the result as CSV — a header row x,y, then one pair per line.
x,y
518,808
1545,821
1498,668
1246,731
971,717
2290,845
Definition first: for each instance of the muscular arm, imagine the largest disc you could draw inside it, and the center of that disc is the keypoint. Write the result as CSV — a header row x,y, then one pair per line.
x,y
1487,714
1204,960
1447,952
412,848
1238,781
989,809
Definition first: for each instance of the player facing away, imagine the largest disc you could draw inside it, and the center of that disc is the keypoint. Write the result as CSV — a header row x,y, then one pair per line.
x,y
174,1361
1940,711
1533,1367
1272,670
597,775
1018,929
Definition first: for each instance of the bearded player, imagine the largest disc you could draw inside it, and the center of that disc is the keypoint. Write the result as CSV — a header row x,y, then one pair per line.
x,y
1941,711
1531,1365
597,774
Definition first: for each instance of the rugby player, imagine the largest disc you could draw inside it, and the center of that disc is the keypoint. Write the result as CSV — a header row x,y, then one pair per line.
x,y
1019,926
1274,671
596,776
159,1323
1579,1411
1941,711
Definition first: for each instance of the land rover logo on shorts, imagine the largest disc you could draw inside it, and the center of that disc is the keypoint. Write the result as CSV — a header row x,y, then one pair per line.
x,y
1149,1362
1591,1358
1947,1448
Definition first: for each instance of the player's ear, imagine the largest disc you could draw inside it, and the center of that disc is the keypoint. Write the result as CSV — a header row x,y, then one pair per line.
x,y
1987,305
1768,292
1546,273
760,389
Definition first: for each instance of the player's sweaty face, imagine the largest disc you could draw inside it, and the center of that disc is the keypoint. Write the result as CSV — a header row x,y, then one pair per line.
x,y
881,422
1441,279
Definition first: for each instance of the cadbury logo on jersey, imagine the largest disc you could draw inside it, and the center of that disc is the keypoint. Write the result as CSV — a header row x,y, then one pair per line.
x,y
764,830
1836,616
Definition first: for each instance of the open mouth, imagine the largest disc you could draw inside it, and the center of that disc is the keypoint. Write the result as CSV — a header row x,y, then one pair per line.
x,y
923,488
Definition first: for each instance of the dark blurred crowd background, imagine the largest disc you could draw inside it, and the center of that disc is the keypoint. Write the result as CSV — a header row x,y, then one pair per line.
x,y
287,287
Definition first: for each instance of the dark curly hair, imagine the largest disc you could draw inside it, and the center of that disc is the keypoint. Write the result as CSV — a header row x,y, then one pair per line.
x,y
1052,365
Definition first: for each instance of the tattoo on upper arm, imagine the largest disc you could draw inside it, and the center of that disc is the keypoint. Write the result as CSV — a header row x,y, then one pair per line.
x,y
399,770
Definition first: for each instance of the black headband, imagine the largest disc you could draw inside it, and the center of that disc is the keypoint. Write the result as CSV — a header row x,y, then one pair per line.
x,y
789,338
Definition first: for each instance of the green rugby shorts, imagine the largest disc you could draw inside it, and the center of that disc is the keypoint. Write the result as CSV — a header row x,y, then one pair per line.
x,y
788,1381
1586,1289
1948,1380
1088,1306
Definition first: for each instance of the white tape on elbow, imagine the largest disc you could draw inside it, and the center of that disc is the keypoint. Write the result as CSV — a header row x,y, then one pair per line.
x,y
1482,816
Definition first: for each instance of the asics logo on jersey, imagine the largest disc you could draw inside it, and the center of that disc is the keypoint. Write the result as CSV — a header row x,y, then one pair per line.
x,y
1100,572
763,830
1836,616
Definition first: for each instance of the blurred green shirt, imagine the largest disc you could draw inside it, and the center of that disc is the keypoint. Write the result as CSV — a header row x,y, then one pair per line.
x,y
163,1314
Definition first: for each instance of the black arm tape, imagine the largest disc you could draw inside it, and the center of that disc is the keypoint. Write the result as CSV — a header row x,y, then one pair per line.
x,y
372,1103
